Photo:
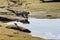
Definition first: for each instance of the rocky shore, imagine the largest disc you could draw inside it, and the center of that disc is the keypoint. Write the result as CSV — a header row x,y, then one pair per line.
x,y
14,32
8,32
20,11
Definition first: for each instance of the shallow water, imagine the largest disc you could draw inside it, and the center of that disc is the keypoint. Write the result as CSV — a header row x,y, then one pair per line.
x,y
44,28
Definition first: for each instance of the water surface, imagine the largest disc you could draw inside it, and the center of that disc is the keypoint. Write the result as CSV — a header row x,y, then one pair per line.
x,y
45,28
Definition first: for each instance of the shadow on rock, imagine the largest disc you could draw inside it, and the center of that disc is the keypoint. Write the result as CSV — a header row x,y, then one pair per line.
x,y
5,19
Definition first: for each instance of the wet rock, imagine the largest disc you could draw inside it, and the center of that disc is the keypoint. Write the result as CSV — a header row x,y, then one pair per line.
x,y
25,21
16,27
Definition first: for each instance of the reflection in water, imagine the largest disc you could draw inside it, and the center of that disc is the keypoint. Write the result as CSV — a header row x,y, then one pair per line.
x,y
45,28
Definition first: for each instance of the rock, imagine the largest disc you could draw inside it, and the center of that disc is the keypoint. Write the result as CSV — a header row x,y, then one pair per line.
x,y
23,14
15,2
12,15
2,6
16,27
25,21
18,13
5,19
